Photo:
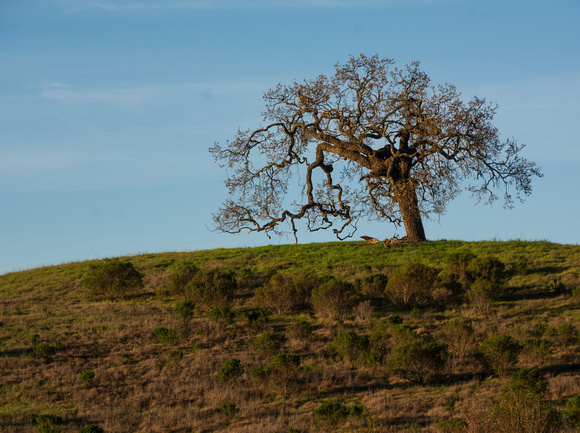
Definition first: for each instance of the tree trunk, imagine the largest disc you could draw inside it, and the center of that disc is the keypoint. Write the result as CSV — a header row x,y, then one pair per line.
x,y
406,197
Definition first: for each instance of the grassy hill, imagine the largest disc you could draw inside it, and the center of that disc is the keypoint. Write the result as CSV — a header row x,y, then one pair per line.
x,y
297,338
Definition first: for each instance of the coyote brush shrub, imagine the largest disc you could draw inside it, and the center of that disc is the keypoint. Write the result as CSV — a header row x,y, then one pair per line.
x,y
520,408
333,299
284,293
333,413
411,285
112,279
418,359
182,274
500,354
350,346
230,370
268,343
212,288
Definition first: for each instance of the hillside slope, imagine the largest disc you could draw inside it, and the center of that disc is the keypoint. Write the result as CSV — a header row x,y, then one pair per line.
x,y
320,331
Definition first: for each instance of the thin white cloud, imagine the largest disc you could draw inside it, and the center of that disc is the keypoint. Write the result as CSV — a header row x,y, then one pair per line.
x,y
157,5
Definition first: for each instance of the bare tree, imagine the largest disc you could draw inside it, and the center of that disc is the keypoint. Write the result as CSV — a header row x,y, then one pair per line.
x,y
403,149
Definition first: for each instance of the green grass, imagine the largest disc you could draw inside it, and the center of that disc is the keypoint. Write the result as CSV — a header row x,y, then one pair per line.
x,y
138,387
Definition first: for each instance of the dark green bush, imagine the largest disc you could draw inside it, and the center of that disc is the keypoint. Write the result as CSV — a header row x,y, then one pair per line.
x,y
300,330
268,343
373,285
500,354
394,319
87,377
487,275
256,318
333,299
166,336
212,288
45,423
572,411
229,409
112,279
538,348
411,285
185,310
350,346
41,350
285,293
417,360
333,413
223,316
230,370
283,370
182,274
520,408
91,428
379,341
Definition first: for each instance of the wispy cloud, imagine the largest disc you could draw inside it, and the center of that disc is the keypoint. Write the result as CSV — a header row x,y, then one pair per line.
x,y
157,5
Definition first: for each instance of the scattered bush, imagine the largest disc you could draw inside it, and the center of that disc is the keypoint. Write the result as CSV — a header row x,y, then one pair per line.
x,y
394,319
212,288
175,355
411,285
285,293
41,350
256,318
223,316
229,409
283,370
333,299
572,412
350,346
268,343
520,408
459,336
487,275
45,423
182,274
112,279
417,360
185,310
87,377
300,330
538,349
230,370
373,285
166,336
500,354
563,335
333,413
379,341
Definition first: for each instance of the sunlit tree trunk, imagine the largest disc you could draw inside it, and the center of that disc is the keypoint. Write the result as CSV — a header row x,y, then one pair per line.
x,y
406,197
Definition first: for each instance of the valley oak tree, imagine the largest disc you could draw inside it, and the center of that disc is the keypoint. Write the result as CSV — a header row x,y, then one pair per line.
x,y
370,141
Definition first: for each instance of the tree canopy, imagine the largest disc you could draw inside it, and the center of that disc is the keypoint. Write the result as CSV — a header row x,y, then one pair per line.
x,y
373,141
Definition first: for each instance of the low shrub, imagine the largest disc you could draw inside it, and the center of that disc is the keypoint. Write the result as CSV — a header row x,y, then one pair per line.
x,y
283,371
333,299
411,285
180,277
229,409
211,288
112,279
87,377
373,285
299,330
223,316
520,408
487,275
185,310
459,336
41,350
417,360
230,370
285,293
572,411
267,344
46,423
256,318
350,346
166,336
500,354
563,334
333,413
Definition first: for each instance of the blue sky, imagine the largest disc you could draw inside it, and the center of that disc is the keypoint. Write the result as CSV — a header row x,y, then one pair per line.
x,y
108,108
